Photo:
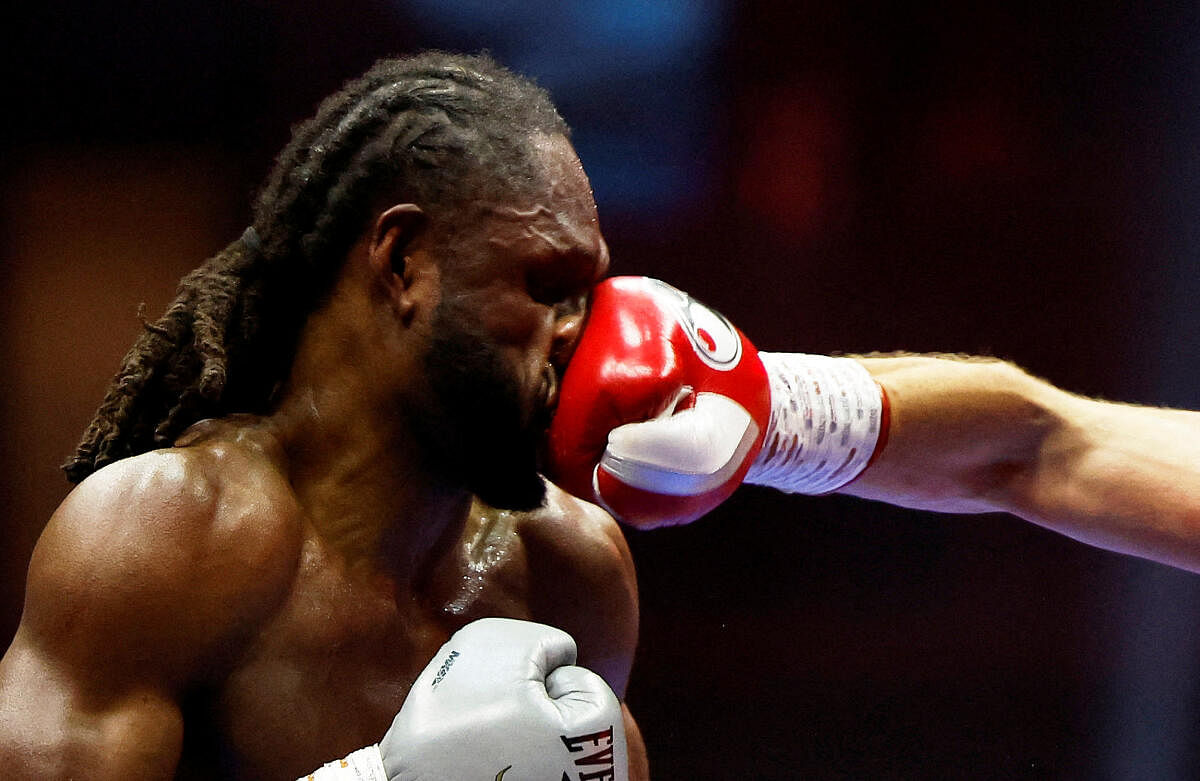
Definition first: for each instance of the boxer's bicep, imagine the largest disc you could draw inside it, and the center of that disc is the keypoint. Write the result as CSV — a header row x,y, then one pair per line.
x,y
128,602
89,681
639,763
58,721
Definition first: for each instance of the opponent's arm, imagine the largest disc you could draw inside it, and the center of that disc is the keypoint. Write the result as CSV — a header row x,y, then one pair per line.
x,y
976,435
652,425
666,408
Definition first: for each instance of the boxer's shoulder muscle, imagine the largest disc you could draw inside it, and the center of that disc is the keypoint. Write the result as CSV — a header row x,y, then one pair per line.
x,y
583,581
584,534
146,580
171,557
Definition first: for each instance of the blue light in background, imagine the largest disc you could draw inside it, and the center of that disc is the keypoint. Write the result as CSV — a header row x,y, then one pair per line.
x,y
634,79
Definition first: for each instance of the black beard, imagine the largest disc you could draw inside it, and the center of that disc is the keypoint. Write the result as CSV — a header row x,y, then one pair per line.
x,y
477,431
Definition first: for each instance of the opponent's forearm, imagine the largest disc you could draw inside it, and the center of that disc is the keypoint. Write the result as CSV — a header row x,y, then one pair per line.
x,y
975,435
959,430
659,423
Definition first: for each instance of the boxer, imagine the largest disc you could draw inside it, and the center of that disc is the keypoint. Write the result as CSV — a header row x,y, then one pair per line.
x,y
321,463
666,408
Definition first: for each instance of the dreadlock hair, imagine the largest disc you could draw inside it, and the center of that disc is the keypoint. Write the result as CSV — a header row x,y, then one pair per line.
x,y
435,129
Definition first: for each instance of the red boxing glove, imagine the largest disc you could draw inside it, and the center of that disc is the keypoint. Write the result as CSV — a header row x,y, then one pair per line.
x,y
663,407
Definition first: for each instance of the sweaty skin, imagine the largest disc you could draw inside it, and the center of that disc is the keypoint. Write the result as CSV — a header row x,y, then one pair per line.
x,y
257,600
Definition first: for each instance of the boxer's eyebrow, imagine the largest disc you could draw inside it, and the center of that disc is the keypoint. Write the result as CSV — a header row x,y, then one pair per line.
x,y
556,276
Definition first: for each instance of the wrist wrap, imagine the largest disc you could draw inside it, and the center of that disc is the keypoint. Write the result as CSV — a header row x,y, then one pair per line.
x,y
828,420
366,764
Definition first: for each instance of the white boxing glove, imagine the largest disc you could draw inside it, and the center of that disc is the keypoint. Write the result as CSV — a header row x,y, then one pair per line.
x,y
501,700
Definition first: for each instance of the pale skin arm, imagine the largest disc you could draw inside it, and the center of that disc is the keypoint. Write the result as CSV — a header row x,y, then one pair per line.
x,y
976,435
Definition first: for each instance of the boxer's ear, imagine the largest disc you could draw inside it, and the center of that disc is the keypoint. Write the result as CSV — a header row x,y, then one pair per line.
x,y
395,229
394,239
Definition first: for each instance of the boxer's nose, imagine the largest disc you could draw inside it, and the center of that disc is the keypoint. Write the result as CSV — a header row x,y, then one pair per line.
x,y
566,336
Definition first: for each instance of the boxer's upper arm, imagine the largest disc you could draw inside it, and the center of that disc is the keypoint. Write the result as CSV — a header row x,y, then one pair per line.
x,y
82,688
57,721
639,762
132,594
586,585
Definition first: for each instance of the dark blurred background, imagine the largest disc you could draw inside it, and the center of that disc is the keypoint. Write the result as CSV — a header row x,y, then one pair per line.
x,y
1014,179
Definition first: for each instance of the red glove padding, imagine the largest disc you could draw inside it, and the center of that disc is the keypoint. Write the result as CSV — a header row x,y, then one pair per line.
x,y
663,407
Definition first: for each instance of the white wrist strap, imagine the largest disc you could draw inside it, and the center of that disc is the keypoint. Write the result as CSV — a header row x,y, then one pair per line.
x,y
366,764
825,422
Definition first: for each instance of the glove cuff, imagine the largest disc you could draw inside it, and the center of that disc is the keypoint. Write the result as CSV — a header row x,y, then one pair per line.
x,y
828,419
366,764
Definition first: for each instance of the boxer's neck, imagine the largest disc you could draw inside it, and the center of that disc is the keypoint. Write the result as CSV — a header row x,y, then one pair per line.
x,y
356,466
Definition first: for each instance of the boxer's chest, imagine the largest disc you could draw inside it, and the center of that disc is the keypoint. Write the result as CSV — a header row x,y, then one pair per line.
x,y
329,672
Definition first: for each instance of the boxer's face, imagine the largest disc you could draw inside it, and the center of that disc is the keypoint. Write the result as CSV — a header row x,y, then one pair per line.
x,y
513,299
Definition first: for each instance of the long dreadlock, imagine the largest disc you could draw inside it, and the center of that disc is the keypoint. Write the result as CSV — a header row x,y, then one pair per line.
x,y
435,129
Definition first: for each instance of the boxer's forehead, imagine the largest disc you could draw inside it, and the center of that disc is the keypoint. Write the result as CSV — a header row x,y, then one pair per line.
x,y
554,216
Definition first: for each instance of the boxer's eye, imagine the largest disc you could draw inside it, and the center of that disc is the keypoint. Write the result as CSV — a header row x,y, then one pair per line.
x,y
571,305
549,292
557,284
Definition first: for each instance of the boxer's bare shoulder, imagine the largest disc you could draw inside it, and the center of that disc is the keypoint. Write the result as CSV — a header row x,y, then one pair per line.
x,y
183,550
584,581
564,564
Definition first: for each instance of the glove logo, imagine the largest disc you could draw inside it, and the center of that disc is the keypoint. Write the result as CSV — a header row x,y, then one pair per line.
x,y
714,338
601,761
445,668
